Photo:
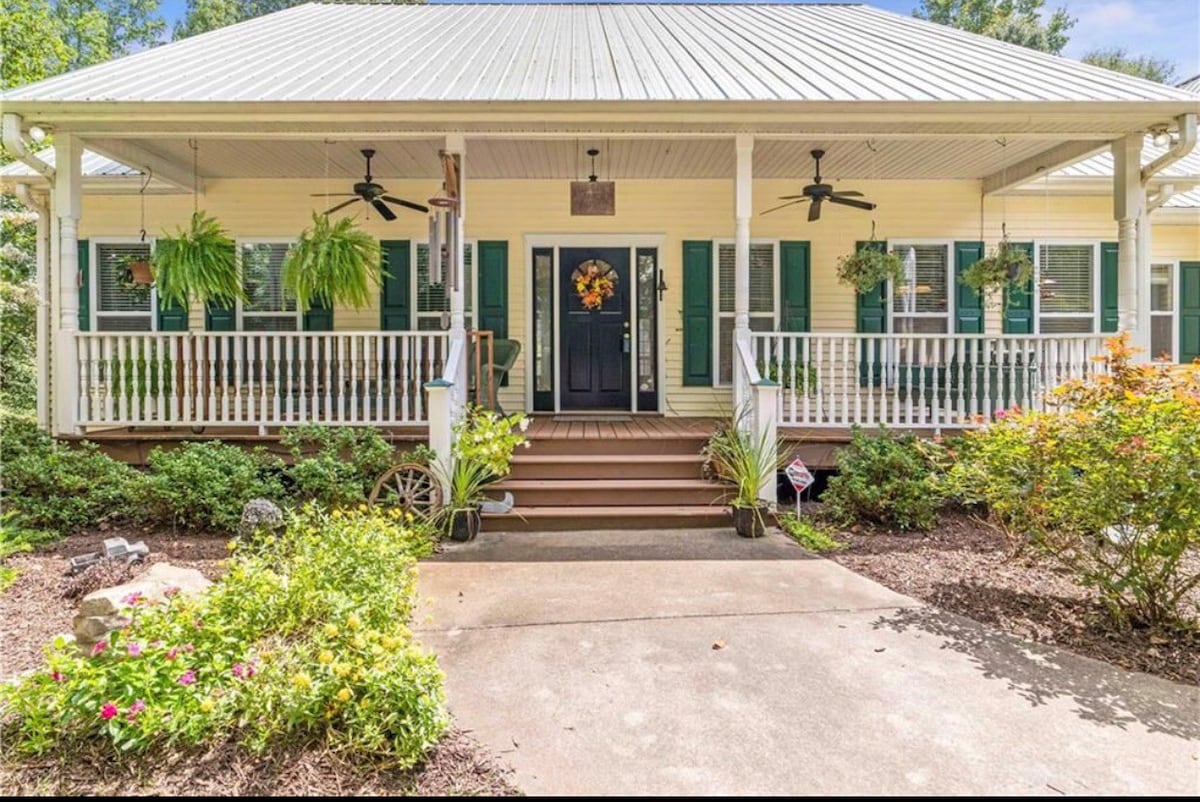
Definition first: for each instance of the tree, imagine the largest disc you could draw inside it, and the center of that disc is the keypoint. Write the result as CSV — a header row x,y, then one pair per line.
x,y
99,30
208,15
34,42
1021,22
1119,59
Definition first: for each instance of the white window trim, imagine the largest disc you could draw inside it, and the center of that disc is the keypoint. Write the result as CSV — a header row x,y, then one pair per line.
x,y
1173,314
1097,295
239,242
716,299
951,313
472,303
94,282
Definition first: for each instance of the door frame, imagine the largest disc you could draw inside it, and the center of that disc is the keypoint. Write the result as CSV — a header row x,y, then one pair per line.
x,y
556,242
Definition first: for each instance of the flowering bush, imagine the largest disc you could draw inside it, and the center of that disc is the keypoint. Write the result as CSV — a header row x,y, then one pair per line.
x,y
306,635
489,438
1107,486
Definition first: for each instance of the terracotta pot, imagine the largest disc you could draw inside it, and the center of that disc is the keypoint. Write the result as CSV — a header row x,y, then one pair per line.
x,y
141,273
748,521
464,525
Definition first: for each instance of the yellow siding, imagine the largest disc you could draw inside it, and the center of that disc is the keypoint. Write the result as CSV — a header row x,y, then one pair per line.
x,y
673,210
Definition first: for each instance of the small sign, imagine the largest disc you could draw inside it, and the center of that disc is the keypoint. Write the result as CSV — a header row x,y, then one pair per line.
x,y
593,198
799,475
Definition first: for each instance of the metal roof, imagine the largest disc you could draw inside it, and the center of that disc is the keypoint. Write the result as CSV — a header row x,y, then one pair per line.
x,y
1191,85
387,53
93,165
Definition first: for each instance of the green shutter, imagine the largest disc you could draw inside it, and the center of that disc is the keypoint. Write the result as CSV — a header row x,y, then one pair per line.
x,y
871,318
395,301
319,316
85,285
172,317
968,305
493,287
795,299
1189,311
697,314
1110,317
1018,304
220,318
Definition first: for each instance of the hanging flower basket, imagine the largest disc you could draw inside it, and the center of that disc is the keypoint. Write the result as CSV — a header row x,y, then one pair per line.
x,y
135,275
868,267
1006,267
594,282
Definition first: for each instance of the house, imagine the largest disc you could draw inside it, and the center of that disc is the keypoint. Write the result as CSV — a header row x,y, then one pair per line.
x,y
644,143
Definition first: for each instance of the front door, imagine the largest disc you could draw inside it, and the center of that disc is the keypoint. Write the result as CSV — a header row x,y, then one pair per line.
x,y
595,290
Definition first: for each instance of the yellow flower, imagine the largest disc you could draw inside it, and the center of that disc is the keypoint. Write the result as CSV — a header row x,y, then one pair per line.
x,y
357,642
353,622
302,681
207,706
389,642
344,695
331,630
362,507
325,657
363,704
408,516
266,655
335,514
231,545
340,669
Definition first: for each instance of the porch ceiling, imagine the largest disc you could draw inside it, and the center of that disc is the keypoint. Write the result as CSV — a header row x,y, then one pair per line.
x,y
688,157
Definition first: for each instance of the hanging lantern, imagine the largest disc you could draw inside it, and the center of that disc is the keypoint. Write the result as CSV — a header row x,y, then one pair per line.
x,y
593,197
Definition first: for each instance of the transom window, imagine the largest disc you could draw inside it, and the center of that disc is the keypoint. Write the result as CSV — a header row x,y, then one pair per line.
x,y
1162,311
433,299
763,271
1068,284
920,302
118,306
268,307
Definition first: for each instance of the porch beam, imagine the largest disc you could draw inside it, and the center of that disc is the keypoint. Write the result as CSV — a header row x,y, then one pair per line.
x,y
68,207
1040,164
168,171
793,134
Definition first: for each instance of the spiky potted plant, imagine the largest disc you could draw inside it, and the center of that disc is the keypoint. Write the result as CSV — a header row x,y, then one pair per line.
x,y
335,262
748,460
484,442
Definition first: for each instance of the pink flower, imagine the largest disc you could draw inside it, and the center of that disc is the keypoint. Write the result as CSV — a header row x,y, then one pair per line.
x,y
250,670
238,670
132,598
188,678
136,708
1000,414
156,644
172,653
58,676
134,649
189,648
100,646
171,591
108,711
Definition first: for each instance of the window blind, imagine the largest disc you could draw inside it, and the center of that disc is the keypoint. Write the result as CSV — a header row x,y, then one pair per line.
x,y
762,278
1067,275
262,277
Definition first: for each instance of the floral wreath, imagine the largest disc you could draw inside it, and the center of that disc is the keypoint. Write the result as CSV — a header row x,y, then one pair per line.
x,y
594,283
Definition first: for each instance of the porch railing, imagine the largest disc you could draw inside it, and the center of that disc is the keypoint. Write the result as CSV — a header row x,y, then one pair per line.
x,y
257,379
938,381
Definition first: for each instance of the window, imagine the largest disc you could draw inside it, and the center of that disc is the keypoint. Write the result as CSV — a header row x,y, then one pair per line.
x,y
543,328
920,304
433,299
118,307
267,306
1067,288
1162,311
762,299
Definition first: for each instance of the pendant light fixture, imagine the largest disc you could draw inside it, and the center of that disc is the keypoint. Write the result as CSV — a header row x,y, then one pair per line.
x,y
593,197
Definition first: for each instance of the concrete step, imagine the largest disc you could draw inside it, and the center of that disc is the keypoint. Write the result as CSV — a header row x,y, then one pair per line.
x,y
567,519
527,464
614,492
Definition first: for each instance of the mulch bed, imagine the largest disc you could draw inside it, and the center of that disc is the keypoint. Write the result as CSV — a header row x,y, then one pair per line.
x,y
41,604
966,567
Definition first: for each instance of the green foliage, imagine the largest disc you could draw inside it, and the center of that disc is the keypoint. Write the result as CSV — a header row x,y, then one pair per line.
x,y
338,264
1021,22
1005,267
335,465
34,42
747,460
206,484
868,267
810,535
886,479
1119,59
18,238
484,442
306,637
1108,487
17,539
18,324
198,264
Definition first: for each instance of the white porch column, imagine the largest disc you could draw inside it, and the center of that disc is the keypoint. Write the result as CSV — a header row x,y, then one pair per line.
x,y
68,207
43,329
1129,203
456,144
741,245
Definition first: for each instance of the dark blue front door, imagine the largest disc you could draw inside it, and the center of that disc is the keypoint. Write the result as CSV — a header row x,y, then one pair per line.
x,y
596,343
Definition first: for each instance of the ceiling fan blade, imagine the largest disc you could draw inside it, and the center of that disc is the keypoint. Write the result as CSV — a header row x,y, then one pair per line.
x,y
334,195
791,197
849,193
783,206
343,205
384,211
416,207
814,211
857,204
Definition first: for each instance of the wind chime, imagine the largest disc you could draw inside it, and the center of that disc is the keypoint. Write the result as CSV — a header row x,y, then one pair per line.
x,y
443,231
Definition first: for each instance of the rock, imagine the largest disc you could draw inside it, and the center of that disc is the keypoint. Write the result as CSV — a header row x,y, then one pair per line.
x,y
101,611
260,514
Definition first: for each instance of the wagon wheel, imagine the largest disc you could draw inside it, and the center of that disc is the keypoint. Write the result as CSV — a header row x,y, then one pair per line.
x,y
409,486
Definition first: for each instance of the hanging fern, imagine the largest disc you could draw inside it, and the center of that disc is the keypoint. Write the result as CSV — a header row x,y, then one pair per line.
x,y
336,263
869,267
197,265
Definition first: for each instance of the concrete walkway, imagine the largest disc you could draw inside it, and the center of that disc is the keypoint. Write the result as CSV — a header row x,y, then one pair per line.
x,y
699,663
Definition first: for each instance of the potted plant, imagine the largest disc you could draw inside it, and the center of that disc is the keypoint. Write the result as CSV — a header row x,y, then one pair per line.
x,y
748,461
198,265
1005,267
335,262
868,267
484,442
135,275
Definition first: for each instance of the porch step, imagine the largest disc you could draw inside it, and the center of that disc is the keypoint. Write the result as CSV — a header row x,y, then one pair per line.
x,y
536,465
617,446
627,493
567,519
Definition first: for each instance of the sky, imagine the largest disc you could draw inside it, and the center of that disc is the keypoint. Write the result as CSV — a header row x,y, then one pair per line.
x,y
1167,29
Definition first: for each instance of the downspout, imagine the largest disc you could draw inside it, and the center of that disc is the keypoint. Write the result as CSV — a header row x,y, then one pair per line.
x,y
42,279
1182,147
14,143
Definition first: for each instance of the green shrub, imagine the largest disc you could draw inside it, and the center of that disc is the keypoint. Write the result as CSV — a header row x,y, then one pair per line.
x,y
205,484
306,636
18,323
335,465
810,535
1108,487
885,479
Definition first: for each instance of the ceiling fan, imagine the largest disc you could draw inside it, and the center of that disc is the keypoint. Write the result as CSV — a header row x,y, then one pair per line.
x,y
374,194
819,192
